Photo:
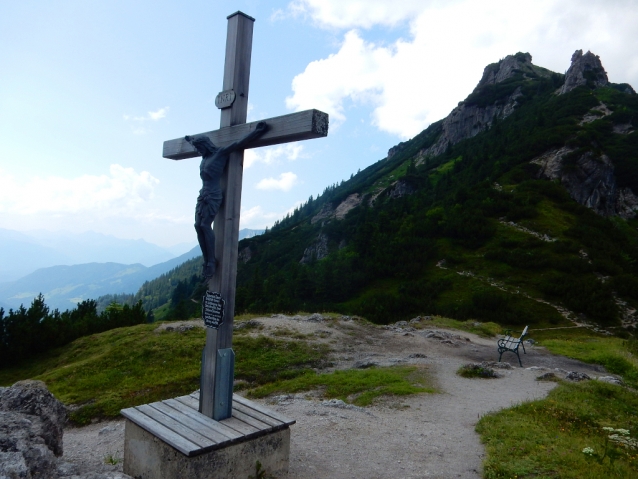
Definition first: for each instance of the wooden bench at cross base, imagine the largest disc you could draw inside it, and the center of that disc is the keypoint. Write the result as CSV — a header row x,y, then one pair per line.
x,y
511,344
170,439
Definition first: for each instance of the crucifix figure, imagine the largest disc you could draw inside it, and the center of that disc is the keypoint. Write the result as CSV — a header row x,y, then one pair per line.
x,y
210,197
222,153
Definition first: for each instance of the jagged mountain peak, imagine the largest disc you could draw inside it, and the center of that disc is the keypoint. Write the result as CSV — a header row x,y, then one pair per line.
x,y
506,68
586,69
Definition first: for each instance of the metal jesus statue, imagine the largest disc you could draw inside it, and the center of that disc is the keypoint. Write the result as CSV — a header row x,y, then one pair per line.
x,y
210,197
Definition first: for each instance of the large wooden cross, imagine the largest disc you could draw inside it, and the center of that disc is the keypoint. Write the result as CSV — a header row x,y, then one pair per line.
x,y
217,358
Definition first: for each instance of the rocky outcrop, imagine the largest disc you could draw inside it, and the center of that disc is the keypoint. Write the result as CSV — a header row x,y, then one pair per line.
x,y
590,180
585,70
245,255
316,251
395,149
401,188
469,119
325,212
596,113
31,428
340,211
32,398
346,205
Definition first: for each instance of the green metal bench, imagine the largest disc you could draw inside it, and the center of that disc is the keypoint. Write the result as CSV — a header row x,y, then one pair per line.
x,y
511,344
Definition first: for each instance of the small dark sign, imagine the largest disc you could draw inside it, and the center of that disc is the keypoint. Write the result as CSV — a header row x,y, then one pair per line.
x,y
225,99
212,309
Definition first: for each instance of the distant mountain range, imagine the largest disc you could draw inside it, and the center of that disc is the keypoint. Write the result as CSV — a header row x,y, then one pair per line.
x,y
23,253
65,285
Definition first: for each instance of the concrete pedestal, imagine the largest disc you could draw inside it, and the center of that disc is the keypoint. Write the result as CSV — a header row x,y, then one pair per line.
x,y
171,440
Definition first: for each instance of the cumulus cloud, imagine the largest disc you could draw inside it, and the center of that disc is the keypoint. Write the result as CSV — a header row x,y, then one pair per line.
x,y
137,125
285,182
273,154
412,82
121,190
354,13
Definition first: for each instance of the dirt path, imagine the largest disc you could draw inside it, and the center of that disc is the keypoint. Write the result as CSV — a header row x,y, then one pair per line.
x,y
420,436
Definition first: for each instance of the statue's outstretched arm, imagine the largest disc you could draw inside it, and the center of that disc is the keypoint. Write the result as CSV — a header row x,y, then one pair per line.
x,y
259,130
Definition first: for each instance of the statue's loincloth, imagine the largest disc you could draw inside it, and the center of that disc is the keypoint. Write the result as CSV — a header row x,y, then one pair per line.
x,y
208,202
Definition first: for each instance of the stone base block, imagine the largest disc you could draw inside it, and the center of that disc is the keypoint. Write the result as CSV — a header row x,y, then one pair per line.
x,y
147,457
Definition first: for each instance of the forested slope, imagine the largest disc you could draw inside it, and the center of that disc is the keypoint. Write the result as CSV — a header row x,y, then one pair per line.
x,y
517,208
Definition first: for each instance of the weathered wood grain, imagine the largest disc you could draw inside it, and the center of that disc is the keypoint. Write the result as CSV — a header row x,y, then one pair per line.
x,y
183,445
303,125
263,410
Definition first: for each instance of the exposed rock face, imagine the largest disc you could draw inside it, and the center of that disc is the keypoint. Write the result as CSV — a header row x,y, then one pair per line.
x,y
596,113
401,188
590,181
395,149
34,399
316,251
245,255
325,213
346,205
585,70
31,424
468,120
340,211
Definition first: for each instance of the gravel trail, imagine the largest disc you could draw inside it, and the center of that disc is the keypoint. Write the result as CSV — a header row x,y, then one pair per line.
x,y
419,436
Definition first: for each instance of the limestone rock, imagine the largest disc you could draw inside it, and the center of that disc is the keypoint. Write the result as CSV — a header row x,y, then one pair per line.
x,y
245,255
401,188
590,180
325,212
31,422
32,398
577,376
316,251
468,120
395,149
585,70
346,205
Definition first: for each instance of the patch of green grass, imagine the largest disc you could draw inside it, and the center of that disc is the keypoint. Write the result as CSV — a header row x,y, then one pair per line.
x,y
355,386
124,367
545,438
612,353
262,360
476,371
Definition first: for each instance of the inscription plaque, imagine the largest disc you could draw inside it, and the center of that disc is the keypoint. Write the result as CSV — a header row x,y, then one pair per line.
x,y
225,99
213,309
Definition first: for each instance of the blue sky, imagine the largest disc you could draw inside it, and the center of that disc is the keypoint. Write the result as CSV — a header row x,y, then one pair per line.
x,y
89,90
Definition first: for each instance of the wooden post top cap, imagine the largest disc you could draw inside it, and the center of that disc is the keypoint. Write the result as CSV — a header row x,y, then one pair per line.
x,y
240,13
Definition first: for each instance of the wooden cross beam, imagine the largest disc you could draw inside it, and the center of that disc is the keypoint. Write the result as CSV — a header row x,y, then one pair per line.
x,y
216,382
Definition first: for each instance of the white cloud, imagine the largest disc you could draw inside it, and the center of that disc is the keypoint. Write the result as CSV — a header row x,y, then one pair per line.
x,y
285,182
271,155
415,81
119,191
159,114
355,13
138,127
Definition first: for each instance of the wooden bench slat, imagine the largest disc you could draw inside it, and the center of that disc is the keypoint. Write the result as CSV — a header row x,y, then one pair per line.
x,y
175,426
237,406
176,413
240,426
251,421
216,425
183,445
263,410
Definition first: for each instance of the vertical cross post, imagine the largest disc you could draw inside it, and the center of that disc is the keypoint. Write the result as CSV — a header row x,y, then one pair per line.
x,y
218,359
